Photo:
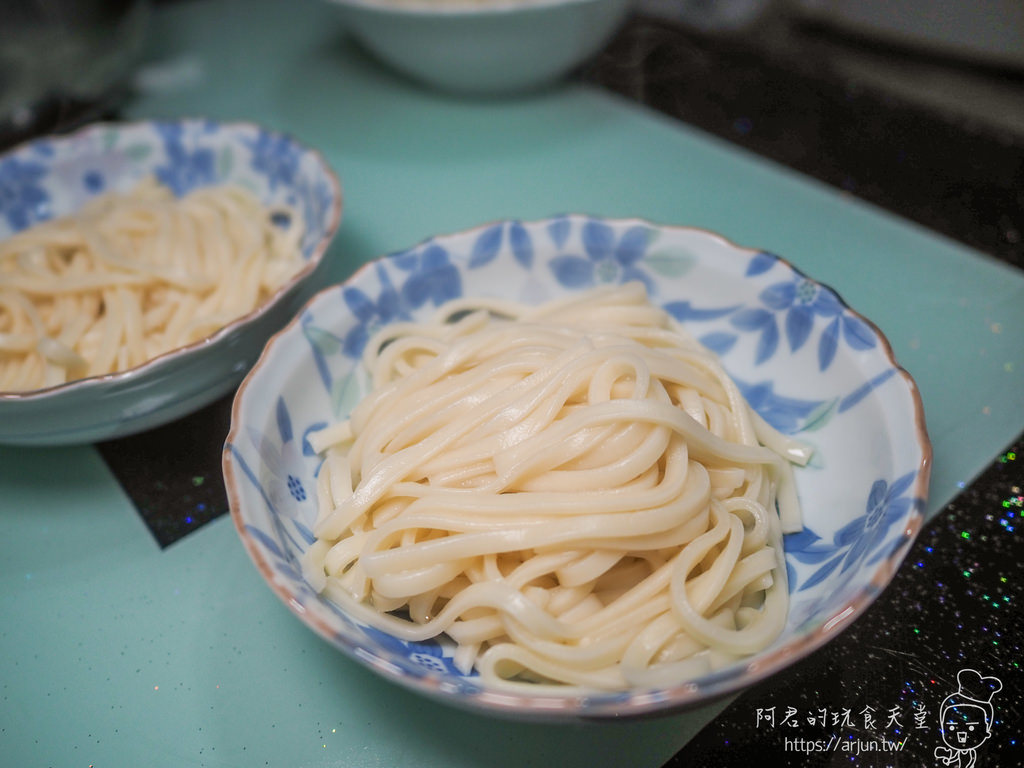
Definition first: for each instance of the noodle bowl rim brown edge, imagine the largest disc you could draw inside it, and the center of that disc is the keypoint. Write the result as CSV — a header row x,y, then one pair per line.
x,y
310,265
642,703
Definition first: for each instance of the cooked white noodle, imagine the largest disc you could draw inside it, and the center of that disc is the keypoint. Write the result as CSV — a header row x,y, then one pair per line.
x,y
577,494
132,276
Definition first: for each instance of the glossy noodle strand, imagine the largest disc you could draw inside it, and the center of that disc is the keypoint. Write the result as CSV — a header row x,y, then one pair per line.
x,y
135,275
576,494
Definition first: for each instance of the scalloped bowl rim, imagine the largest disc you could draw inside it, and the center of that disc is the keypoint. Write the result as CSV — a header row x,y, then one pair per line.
x,y
642,703
153,365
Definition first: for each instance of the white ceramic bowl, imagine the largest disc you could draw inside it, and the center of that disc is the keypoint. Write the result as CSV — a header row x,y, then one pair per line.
x,y
810,366
51,177
483,46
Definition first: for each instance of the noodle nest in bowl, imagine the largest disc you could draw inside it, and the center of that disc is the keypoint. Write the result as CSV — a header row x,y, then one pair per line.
x,y
62,176
576,494
135,275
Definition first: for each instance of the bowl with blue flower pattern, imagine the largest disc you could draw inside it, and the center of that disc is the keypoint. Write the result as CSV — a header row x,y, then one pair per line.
x,y
811,366
55,176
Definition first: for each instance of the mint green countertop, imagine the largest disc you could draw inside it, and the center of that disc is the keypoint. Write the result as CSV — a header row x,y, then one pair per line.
x,y
117,653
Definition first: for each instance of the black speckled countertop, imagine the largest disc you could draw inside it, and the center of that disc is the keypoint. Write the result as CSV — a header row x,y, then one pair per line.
x,y
787,99
790,96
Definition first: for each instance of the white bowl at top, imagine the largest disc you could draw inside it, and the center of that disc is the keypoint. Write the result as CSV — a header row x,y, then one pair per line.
x,y
483,46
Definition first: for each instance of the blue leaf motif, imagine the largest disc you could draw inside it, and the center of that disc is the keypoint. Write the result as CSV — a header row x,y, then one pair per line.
x,y
865,389
763,321
779,296
866,539
276,157
406,261
268,543
811,555
857,333
522,245
822,573
900,507
388,306
284,422
801,539
573,271
877,493
247,471
902,484
304,531
799,321
752,319
416,291
828,344
760,263
632,245
846,535
719,342
355,341
23,201
801,301
827,304
359,303
185,169
486,247
436,280
370,314
93,181
768,343
683,311
428,657
598,240
436,257
558,229
786,414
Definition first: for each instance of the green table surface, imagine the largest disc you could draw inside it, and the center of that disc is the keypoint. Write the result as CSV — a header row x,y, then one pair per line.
x,y
114,652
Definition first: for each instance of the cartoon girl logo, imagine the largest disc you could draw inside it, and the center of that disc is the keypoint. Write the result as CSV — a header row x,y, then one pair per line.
x,y
965,718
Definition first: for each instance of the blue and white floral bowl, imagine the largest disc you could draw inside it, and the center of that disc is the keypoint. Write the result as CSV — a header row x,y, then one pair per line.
x,y
809,364
50,177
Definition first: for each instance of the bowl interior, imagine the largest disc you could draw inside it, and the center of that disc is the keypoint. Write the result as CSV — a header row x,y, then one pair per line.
x,y
52,177
807,363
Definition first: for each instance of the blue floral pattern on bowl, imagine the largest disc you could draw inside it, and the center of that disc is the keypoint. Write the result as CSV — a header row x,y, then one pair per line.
x,y
51,177
806,362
